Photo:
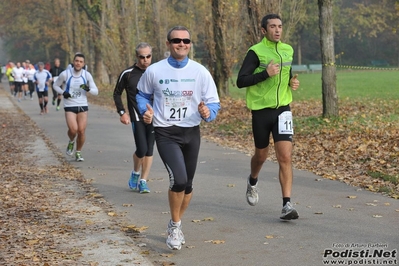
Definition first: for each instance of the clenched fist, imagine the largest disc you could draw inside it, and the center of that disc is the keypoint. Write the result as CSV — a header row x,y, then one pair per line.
x,y
203,110
147,117
294,82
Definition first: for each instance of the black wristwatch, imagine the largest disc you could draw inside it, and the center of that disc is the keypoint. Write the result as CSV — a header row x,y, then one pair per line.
x,y
121,112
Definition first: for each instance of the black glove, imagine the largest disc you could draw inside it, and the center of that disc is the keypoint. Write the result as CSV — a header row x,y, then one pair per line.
x,y
85,87
66,95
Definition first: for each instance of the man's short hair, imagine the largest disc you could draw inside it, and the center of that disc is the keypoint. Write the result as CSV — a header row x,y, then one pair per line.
x,y
263,24
142,45
79,54
177,28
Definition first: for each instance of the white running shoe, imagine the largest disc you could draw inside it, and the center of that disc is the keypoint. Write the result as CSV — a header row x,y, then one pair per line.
x,y
69,150
183,240
252,194
289,212
79,157
175,237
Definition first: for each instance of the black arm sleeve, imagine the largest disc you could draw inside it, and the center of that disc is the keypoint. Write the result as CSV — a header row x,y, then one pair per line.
x,y
121,84
246,77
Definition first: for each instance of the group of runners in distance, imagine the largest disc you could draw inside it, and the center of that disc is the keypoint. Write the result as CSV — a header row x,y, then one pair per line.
x,y
166,102
72,83
26,78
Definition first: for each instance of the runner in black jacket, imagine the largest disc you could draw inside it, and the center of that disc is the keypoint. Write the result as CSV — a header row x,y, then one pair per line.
x,y
55,71
143,133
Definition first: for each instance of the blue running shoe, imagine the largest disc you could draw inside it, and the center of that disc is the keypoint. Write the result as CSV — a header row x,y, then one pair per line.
x,y
143,188
134,181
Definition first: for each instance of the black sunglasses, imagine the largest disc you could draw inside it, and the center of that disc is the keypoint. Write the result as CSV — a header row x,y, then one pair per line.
x,y
145,56
178,40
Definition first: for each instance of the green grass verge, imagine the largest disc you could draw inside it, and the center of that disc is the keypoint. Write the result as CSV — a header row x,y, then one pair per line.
x,y
350,84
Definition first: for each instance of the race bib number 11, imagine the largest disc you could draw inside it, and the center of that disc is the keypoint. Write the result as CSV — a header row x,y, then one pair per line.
x,y
285,124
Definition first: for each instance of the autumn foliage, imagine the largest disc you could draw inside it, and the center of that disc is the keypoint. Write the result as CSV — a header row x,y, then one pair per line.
x,y
360,148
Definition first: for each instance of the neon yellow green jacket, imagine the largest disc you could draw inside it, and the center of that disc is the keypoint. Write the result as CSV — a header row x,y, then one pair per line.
x,y
8,74
273,92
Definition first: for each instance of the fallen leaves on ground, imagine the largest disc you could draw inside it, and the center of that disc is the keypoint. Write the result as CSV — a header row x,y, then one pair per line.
x,y
363,141
47,212
33,225
216,242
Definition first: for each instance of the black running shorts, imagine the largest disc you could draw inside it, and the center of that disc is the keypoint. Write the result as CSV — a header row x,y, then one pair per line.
x,y
264,122
76,109
41,94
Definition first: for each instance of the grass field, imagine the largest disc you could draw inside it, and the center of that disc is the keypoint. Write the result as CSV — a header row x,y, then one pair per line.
x,y
350,84
359,147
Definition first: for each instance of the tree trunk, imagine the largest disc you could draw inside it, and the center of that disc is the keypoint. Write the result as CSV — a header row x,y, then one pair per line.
x,y
256,10
254,21
220,74
330,98
67,45
299,50
123,28
158,37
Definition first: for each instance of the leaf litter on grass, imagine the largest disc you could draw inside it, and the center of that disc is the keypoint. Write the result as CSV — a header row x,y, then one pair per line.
x,y
362,141
360,148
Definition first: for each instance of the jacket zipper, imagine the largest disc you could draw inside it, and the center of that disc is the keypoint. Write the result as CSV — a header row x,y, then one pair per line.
x,y
279,82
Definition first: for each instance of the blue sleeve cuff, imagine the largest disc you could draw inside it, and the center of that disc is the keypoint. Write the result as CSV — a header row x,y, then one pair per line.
x,y
142,100
214,109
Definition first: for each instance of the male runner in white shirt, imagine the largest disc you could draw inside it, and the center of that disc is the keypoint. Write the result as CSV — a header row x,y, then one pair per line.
x,y
184,93
76,83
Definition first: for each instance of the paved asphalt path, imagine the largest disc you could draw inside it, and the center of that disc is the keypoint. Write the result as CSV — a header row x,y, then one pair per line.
x,y
333,217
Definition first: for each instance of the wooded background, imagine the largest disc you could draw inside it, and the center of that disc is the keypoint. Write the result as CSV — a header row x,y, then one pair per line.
x,y
107,31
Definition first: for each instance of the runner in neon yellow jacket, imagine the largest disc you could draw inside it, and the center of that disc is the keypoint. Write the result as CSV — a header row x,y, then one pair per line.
x,y
9,72
266,73
10,77
274,91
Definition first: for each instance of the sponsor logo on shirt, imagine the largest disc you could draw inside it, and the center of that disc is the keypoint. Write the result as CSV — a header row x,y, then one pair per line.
x,y
187,80
167,81
168,92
